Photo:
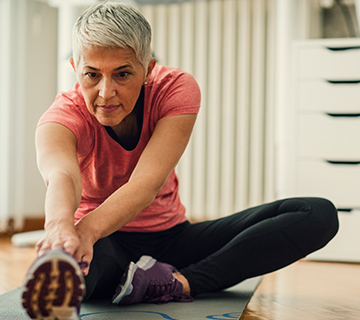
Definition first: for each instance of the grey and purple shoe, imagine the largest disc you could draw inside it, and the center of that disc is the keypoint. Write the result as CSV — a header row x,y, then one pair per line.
x,y
149,281
54,287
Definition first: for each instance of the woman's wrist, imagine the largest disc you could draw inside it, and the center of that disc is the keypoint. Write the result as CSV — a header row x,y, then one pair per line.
x,y
58,223
85,228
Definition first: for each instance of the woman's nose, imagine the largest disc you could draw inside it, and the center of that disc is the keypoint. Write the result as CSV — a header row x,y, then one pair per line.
x,y
107,89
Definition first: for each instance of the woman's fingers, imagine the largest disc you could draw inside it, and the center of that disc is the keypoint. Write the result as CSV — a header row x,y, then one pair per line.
x,y
64,239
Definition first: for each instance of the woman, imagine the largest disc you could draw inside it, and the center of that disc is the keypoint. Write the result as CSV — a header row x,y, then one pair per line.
x,y
107,150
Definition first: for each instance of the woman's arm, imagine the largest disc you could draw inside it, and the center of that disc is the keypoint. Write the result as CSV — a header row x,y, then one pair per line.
x,y
58,165
157,161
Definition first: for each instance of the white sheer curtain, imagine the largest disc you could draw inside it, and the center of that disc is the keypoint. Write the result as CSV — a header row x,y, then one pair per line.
x,y
27,87
5,40
11,92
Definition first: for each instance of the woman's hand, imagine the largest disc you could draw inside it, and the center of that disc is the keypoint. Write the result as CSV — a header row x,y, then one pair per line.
x,y
88,238
71,239
59,236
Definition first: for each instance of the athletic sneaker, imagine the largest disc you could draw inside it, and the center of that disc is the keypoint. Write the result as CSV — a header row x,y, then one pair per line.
x,y
149,281
54,287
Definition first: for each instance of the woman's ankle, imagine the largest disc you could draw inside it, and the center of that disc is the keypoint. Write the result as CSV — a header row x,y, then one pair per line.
x,y
184,282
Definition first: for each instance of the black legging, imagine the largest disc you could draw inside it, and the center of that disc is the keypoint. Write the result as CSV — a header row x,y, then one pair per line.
x,y
217,254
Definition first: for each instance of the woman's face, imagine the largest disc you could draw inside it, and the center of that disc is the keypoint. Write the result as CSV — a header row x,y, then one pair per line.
x,y
111,81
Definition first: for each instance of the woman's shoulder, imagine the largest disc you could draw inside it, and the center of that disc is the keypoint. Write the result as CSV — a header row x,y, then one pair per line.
x,y
162,74
172,91
168,81
69,109
70,106
70,98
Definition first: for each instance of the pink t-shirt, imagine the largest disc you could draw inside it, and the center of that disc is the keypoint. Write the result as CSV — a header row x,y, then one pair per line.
x,y
105,165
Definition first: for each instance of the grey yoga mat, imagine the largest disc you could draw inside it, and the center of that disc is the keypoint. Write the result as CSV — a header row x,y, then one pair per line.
x,y
224,305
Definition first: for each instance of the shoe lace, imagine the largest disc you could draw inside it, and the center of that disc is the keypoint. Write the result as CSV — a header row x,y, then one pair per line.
x,y
164,292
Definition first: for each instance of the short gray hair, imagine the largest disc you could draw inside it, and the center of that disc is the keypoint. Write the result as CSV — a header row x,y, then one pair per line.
x,y
114,25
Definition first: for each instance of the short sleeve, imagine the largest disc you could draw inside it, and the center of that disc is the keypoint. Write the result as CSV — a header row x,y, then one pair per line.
x,y
183,97
173,92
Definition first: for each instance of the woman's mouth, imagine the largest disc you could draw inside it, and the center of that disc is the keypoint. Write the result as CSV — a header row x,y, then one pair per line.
x,y
108,108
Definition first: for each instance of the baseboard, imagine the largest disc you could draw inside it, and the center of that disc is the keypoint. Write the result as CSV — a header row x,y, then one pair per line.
x,y
30,224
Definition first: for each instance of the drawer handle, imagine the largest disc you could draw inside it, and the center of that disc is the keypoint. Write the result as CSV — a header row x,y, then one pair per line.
x,y
343,115
348,210
352,163
343,81
343,48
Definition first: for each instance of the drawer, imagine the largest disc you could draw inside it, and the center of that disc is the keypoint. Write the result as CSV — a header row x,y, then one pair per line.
x,y
320,95
321,62
338,183
345,245
328,137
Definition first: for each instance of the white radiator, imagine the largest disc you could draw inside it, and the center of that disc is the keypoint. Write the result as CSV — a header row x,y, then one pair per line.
x,y
228,46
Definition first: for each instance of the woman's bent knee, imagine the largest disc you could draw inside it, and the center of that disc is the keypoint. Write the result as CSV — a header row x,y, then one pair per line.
x,y
324,220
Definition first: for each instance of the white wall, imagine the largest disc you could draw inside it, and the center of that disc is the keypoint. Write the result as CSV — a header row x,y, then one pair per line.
x,y
28,87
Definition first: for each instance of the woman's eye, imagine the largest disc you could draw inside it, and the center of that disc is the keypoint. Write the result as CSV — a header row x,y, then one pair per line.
x,y
123,74
91,75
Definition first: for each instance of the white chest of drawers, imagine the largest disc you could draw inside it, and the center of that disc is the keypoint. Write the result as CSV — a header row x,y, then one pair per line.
x,y
326,99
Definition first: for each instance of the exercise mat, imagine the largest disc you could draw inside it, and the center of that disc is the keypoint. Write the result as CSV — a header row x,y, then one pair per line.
x,y
223,305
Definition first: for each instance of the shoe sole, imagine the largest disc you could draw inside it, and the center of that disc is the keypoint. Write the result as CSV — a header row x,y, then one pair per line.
x,y
54,287
125,286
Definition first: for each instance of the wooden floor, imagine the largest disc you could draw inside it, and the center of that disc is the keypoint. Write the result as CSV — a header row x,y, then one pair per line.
x,y
305,290
14,262
308,291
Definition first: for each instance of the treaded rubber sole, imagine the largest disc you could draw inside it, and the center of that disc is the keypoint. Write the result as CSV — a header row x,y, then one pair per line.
x,y
125,287
54,287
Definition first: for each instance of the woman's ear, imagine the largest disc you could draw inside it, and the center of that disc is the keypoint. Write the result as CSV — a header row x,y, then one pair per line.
x,y
150,68
71,60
